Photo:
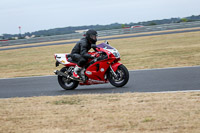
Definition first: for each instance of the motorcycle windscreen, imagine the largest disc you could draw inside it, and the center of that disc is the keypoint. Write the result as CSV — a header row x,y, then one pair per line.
x,y
105,46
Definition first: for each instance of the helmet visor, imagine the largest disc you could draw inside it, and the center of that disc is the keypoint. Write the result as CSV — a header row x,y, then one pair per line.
x,y
94,37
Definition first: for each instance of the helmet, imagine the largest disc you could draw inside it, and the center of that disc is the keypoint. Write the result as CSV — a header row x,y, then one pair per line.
x,y
91,36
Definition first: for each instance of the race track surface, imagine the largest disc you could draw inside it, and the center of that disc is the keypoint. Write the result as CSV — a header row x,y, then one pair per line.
x,y
153,80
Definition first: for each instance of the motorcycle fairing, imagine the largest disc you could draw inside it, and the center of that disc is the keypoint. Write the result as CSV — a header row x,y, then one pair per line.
x,y
97,70
62,58
115,66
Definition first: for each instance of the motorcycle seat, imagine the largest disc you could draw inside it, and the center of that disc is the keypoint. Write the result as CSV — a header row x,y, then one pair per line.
x,y
69,58
68,55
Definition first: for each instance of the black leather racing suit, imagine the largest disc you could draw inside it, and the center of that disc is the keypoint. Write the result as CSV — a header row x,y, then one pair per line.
x,y
80,51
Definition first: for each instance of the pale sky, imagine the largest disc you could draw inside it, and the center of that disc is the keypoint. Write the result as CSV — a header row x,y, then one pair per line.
x,y
34,15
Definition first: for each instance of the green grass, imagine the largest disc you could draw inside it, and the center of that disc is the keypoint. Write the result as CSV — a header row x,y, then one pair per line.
x,y
69,101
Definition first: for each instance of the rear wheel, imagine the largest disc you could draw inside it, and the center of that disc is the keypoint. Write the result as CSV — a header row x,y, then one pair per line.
x,y
67,83
122,76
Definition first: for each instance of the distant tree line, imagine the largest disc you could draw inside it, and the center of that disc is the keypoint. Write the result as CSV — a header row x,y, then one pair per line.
x,y
69,30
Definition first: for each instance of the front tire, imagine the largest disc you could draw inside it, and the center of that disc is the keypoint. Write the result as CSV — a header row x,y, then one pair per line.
x,y
66,83
122,76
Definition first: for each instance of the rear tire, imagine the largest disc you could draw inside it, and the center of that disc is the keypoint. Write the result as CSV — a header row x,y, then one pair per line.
x,y
122,76
65,83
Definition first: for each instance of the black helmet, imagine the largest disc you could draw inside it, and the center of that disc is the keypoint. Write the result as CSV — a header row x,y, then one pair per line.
x,y
91,36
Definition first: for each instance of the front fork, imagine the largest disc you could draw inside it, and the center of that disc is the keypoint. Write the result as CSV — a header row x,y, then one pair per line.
x,y
113,68
113,72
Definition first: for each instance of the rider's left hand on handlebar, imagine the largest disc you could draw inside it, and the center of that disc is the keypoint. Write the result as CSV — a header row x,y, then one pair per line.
x,y
97,48
93,56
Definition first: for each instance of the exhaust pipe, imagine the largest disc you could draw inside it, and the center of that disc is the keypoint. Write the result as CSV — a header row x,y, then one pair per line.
x,y
59,73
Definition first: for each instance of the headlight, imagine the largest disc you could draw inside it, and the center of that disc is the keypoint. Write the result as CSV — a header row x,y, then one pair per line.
x,y
116,54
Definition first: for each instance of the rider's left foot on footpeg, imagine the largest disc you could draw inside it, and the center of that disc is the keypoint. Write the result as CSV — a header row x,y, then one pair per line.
x,y
75,75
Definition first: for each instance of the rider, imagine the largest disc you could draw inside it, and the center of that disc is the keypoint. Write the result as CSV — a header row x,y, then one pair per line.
x,y
80,51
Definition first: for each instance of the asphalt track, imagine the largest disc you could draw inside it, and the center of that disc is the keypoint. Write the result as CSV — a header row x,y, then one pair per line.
x,y
111,38
153,80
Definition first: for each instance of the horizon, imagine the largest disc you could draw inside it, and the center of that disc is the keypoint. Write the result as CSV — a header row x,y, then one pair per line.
x,y
98,24
49,14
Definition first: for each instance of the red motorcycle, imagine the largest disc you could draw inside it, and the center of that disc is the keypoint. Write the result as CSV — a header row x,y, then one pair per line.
x,y
104,68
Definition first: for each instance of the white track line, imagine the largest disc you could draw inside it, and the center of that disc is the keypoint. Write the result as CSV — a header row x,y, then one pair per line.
x,y
165,68
171,91
28,77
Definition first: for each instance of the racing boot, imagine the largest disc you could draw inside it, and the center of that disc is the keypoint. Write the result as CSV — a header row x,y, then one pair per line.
x,y
77,69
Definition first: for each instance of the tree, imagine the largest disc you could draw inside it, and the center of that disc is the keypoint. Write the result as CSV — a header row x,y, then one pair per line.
x,y
152,23
184,20
123,25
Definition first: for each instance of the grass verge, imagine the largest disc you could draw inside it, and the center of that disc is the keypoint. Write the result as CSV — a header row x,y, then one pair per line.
x,y
129,112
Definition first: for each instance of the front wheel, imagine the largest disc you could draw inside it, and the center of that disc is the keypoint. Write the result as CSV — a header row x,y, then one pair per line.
x,y
122,76
67,83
